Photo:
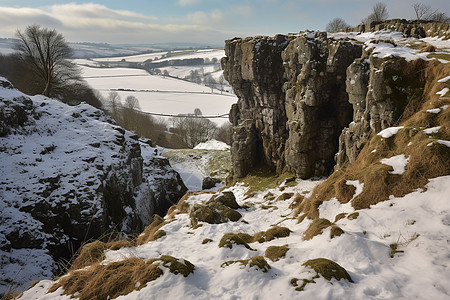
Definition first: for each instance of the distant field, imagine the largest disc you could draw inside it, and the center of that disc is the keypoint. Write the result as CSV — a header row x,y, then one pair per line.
x,y
158,94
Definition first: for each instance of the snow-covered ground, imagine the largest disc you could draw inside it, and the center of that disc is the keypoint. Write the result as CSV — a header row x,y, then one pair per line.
x,y
418,224
158,94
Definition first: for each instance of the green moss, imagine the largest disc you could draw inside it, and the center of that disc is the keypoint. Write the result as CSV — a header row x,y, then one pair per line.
x,y
232,214
229,239
176,267
206,241
301,288
316,228
328,269
353,216
256,261
275,253
272,233
336,231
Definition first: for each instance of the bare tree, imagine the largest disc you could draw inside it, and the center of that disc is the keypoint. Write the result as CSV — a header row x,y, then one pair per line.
x,y
221,82
422,11
194,129
115,104
379,14
336,24
46,52
440,17
131,102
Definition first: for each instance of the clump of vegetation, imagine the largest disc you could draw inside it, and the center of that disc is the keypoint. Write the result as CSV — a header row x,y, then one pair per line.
x,y
339,217
149,233
206,241
328,269
353,216
394,250
316,228
159,234
285,196
297,200
336,231
256,261
230,239
344,192
272,233
109,281
275,253
301,288
175,266
90,253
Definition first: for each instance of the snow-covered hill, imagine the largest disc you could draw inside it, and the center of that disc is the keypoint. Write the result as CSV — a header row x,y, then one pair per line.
x,y
69,174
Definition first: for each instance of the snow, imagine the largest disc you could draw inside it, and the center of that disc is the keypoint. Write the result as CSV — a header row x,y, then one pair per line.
x,y
400,49
358,185
397,162
443,142
432,130
158,94
388,132
442,92
213,145
434,111
445,79
418,222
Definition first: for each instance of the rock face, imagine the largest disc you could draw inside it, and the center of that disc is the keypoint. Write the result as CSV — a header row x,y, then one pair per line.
x,y
67,175
255,70
292,99
309,102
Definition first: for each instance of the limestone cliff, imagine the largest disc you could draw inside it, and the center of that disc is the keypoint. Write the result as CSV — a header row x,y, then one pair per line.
x,y
309,101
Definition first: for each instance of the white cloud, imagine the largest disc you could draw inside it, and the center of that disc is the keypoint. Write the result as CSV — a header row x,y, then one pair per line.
x,y
245,11
188,2
202,18
93,10
98,23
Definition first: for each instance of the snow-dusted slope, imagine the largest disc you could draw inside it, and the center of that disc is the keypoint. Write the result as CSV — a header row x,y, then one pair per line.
x,y
68,174
417,224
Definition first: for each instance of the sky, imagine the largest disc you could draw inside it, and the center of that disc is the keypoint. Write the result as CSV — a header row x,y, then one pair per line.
x,y
196,21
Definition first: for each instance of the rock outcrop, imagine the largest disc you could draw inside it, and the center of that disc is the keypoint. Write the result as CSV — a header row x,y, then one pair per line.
x,y
417,29
292,101
309,101
69,174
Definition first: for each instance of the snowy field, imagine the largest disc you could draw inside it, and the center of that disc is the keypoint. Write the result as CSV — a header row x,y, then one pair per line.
x,y
158,94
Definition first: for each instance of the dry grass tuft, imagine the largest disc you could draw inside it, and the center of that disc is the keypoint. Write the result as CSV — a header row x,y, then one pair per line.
x,y
90,254
344,192
271,234
149,233
109,281
316,228
297,200
336,231
285,196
